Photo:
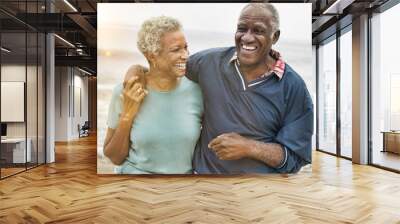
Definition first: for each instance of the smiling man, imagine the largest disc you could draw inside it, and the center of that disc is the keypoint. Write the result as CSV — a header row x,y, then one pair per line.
x,y
258,114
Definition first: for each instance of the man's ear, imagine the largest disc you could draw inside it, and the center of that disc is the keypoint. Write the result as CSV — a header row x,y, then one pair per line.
x,y
275,36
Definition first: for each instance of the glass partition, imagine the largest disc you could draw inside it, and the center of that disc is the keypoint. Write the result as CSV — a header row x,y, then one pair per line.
x,y
31,97
22,77
13,94
41,110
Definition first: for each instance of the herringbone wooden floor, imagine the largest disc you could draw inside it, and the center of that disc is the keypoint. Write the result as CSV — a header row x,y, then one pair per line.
x,y
70,191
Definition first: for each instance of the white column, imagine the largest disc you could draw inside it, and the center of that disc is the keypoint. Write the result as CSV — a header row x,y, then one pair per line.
x,y
360,90
50,100
50,92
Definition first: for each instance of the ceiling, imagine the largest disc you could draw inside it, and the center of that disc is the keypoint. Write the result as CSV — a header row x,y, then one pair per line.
x,y
76,40
76,22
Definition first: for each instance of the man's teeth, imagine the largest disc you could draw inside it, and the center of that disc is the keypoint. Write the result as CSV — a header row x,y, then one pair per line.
x,y
249,48
181,66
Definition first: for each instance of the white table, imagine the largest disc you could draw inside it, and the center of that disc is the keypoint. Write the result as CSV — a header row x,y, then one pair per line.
x,y
18,144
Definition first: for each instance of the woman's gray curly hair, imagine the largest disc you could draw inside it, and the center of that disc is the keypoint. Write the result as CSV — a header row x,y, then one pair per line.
x,y
152,30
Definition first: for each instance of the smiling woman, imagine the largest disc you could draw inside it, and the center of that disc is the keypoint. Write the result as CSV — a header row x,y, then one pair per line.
x,y
154,121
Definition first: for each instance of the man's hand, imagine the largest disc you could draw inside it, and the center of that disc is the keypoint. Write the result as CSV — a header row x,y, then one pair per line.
x,y
231,146
136,71
275,54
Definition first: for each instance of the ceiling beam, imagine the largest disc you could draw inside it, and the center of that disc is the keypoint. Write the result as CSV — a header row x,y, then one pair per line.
x,y
337,6
84,24
320,22
82,61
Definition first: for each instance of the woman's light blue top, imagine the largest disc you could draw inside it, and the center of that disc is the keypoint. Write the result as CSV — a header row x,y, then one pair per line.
x,y
165,131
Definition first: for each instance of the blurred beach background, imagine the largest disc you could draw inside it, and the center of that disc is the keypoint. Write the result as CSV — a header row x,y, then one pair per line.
x,y
204,25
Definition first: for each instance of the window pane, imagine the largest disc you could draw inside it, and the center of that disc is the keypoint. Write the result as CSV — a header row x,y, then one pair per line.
x,y
327,97
346,94
385,86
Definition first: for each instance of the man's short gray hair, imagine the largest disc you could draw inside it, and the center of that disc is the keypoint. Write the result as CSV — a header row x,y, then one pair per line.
x,y
152,30
270,8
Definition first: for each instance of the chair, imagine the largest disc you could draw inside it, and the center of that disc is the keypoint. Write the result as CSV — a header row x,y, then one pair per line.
x,y
84,130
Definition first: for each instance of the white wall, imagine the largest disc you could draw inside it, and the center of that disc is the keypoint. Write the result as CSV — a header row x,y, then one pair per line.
x,y
80,109
13,73
61,103
69,85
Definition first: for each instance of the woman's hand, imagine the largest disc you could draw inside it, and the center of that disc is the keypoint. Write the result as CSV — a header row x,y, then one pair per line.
x,y
133,95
